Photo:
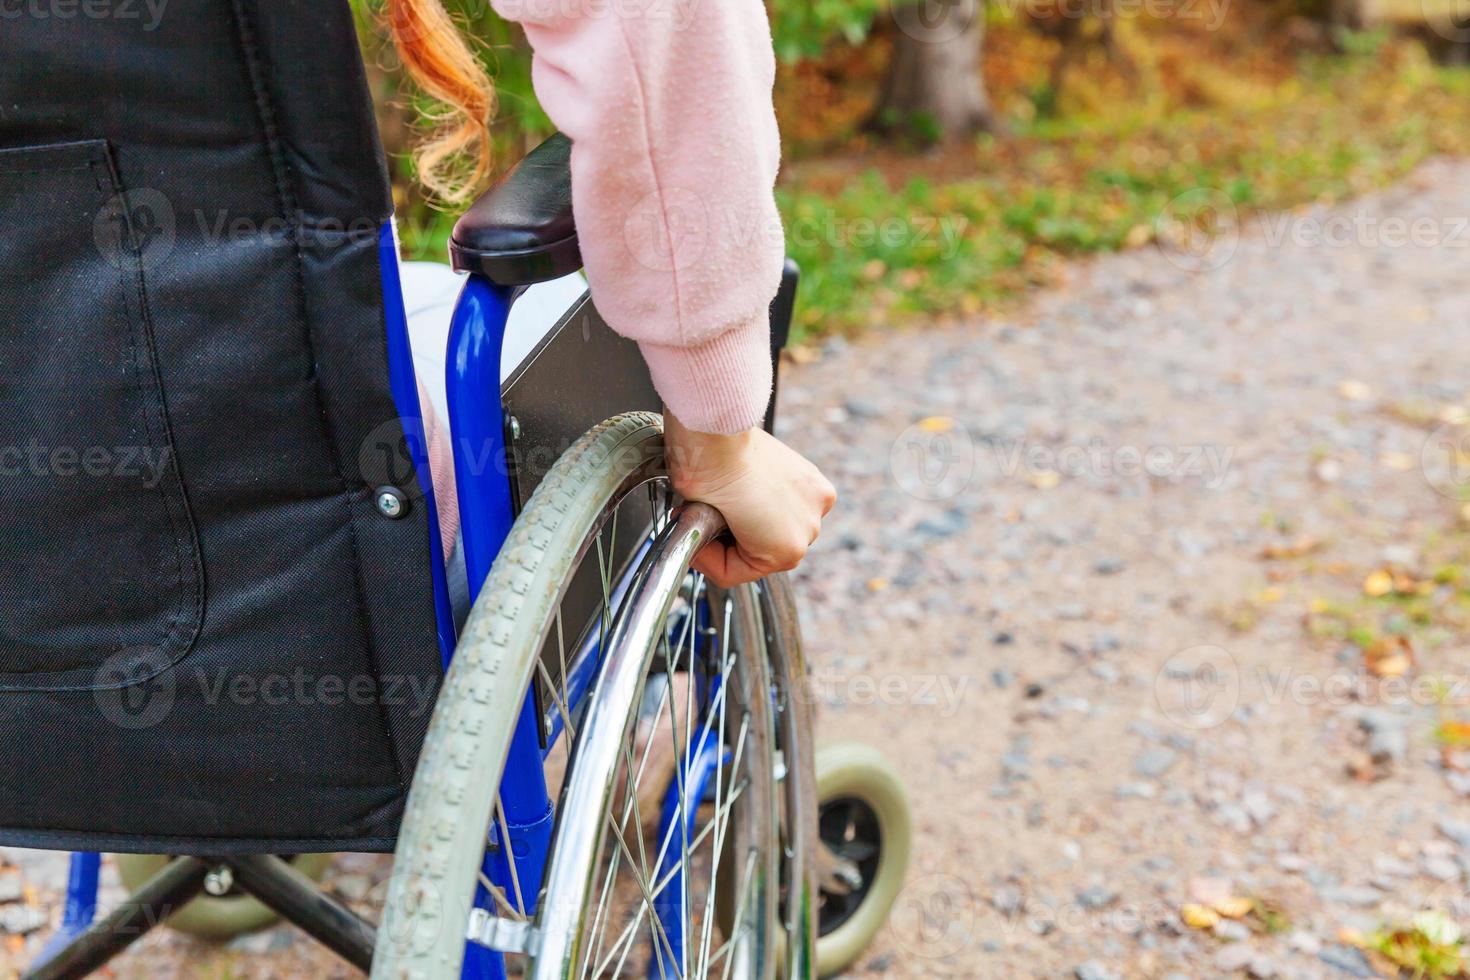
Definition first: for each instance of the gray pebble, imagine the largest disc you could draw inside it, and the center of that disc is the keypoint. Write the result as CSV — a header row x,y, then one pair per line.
x,y
1456,830
1093,970
1347,959
1153,762
1096,897
1234,957
1358,898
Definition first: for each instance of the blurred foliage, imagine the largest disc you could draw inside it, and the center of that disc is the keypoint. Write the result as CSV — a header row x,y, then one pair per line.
x,y
807,28
1081,185
1257,107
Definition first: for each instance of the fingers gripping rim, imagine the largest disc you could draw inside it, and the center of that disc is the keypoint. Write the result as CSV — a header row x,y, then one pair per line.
x,y
449,807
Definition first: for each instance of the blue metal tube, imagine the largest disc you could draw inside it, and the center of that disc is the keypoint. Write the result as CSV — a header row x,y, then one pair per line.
x,y
81,902
487,511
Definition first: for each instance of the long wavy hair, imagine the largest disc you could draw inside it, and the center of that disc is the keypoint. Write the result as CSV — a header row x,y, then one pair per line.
x,y
454,159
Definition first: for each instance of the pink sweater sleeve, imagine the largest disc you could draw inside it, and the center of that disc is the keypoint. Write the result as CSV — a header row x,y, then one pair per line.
x,y
674,159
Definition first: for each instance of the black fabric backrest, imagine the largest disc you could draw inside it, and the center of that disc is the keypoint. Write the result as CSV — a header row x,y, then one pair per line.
x,y
209,637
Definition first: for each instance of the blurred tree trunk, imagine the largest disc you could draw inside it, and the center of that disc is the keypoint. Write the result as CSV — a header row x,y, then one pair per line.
x,y
934,85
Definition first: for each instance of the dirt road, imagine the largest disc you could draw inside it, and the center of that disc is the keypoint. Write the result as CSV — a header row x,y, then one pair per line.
x,y
1118,581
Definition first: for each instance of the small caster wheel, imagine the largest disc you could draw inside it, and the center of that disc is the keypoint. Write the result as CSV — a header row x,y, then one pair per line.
x,y
865,830
223,911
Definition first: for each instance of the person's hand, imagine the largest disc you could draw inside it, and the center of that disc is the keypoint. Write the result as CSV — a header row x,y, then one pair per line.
x,y
772,498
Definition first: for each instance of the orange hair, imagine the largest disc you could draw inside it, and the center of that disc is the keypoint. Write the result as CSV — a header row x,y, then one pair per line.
x,y
456,158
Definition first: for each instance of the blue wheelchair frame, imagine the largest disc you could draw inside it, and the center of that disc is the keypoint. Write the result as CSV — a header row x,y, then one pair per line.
x,y
487,511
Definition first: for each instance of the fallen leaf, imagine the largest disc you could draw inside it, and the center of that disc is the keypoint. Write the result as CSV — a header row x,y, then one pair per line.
x,y
937,424
1361,767
877,584
1304,545
1234,908
1455,733
1378,583
1398,461
1390,657
1045,480
1354,391
1199,916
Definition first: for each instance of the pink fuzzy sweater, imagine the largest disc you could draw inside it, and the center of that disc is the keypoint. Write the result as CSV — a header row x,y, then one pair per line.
x,y
674,159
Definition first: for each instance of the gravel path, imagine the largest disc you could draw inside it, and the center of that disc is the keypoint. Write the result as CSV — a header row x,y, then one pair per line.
x,y
1044,594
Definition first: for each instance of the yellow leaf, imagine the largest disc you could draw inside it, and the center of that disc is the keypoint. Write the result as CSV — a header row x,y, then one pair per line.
x,y
877,584
1390,657
1234,908
1394,665
937,424
1398,461
1379,583
1354,391
1270,595
1045,480
1304,545
1199,916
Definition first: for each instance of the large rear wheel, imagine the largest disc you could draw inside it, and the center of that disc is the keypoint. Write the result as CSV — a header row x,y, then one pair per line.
x,y
654,692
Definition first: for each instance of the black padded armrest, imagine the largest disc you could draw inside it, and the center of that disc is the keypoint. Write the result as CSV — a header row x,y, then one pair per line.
x,y
521,230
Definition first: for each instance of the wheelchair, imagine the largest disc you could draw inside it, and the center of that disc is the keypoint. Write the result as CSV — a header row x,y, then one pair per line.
x,y
610,769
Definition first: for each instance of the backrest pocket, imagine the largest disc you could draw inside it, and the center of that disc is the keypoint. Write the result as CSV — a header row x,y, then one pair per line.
x,y
100,577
